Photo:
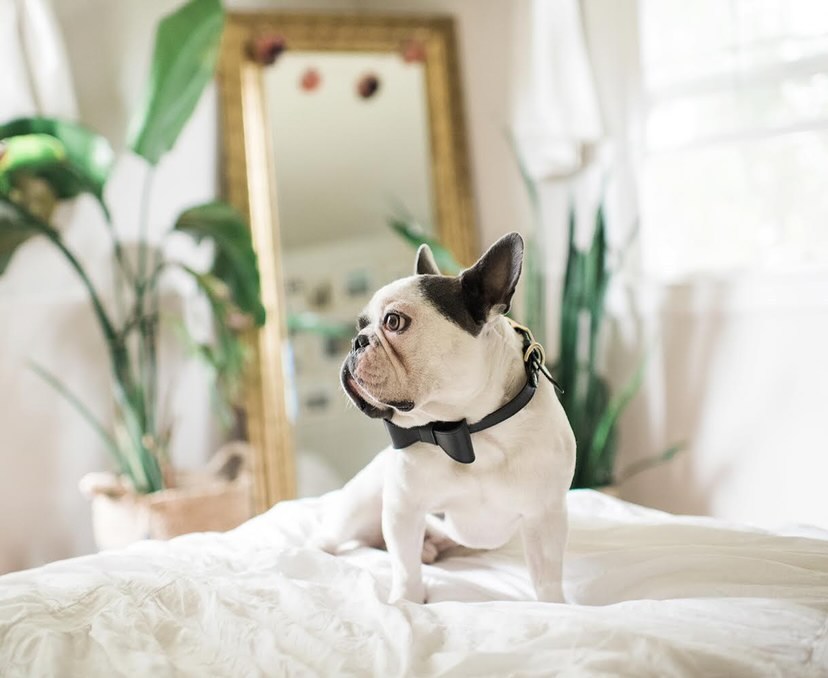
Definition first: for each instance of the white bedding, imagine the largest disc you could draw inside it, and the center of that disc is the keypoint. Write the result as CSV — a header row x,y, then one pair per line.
x,y
656,595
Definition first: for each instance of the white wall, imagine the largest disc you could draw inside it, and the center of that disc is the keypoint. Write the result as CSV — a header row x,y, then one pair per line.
x,y
344,163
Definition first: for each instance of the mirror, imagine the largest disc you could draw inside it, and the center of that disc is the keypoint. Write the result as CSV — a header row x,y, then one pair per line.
x,y
350,143
339,132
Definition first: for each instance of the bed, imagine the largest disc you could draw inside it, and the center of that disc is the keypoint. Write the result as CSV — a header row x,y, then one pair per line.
x,y
654,595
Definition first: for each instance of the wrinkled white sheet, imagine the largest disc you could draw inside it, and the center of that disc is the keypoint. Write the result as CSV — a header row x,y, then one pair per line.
x,y
657,595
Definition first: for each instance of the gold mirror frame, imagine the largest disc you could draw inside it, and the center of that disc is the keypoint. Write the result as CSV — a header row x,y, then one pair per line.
x,y
249,183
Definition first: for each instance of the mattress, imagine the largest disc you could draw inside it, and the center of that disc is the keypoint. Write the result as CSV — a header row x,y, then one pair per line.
x,y
651,594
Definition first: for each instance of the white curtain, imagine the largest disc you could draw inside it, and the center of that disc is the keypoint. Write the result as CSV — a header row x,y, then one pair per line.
x,y
556,113
36,78
556,126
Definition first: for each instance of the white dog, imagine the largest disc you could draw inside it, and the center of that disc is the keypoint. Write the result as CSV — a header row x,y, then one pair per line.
x,y
432,353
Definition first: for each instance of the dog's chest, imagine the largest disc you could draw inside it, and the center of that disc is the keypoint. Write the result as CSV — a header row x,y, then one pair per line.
x,y
481,502
479,518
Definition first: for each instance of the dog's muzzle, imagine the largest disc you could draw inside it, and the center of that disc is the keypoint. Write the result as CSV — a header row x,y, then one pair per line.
x,y
355,391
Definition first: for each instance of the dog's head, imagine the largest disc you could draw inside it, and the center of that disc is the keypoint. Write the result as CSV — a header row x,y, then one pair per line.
x,y
418,348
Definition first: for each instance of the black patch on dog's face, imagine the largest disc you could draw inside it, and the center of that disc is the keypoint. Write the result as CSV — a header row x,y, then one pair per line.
x,y
445,293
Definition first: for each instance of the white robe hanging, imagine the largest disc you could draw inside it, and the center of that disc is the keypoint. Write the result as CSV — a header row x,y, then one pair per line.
x,y
36,79
556,110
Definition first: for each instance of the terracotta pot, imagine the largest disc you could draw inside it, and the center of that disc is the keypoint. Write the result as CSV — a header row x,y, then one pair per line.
x,y
206,501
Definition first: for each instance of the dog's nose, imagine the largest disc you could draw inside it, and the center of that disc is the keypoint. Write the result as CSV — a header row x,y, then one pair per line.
x,y
360,342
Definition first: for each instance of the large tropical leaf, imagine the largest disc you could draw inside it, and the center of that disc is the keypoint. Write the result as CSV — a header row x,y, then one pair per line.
x,y
30,152
83,165
15,229
183,61
598,277
235,261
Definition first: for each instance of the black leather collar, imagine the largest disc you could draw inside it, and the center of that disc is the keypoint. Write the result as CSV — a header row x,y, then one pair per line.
x,y
454,437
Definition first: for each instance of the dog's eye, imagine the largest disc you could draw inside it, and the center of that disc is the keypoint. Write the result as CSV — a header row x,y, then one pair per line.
x,y
395,322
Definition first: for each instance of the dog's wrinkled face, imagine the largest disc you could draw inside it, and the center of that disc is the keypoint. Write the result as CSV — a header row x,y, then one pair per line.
x,y
417,345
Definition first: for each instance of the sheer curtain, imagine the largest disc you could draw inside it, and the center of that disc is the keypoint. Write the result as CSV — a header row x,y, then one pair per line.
x,y
556,128
707,104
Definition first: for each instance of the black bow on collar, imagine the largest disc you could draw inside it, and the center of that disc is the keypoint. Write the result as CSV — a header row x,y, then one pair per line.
x,y
454,437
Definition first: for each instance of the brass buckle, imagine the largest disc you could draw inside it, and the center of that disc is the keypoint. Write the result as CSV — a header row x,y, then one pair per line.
x,y
534,347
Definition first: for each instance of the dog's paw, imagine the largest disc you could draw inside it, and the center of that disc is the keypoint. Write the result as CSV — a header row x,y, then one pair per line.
x,y
433,546
430,552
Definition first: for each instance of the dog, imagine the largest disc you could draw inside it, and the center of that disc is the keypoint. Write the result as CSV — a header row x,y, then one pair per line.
x,y
436,348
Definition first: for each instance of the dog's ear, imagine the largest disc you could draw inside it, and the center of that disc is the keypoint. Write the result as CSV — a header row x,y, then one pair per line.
x,y
489,285
425,264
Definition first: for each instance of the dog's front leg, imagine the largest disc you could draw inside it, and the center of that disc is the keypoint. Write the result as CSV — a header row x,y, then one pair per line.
x,y
403,528
544,539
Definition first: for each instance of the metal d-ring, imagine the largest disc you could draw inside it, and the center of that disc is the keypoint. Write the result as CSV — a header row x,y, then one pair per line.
x,y
535,347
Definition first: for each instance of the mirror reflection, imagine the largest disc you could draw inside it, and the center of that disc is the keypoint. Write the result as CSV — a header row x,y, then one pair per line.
x,y
351,153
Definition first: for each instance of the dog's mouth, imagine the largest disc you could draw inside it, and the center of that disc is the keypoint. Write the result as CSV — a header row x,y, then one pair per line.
x,y
355,393
358,394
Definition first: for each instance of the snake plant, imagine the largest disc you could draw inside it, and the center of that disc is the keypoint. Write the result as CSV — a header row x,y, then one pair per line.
x,y
592,409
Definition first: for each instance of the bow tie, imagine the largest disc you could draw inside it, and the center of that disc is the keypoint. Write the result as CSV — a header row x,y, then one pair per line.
x,y
454,437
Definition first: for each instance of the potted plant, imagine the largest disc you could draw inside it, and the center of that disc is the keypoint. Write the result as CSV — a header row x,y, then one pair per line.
x,y
44,161
592,409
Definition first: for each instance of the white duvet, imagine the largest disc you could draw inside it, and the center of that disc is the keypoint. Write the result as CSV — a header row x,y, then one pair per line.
x,y
655,595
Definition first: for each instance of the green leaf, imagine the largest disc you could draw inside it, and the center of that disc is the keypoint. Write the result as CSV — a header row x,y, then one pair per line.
x,y
593,468
643,464
226,355
183,61
30,152
15,229
235,261
81,409
414,234
598,282
82,167
142,463
606,425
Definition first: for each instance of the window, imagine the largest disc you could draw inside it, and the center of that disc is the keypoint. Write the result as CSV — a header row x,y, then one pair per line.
x,y
735,172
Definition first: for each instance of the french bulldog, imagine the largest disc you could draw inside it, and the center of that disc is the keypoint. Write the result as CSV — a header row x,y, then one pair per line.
x,y
437,348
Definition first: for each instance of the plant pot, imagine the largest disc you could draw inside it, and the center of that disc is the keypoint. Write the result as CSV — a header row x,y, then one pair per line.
x,y
206,501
